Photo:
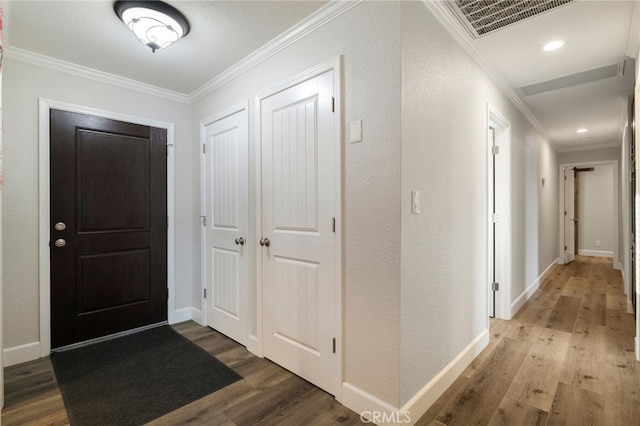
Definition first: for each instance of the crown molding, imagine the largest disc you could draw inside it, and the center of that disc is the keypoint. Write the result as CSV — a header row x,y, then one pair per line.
x,y
451,23
314,21
23,55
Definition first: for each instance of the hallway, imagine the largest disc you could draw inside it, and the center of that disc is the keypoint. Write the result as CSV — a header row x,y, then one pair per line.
x,y
566,358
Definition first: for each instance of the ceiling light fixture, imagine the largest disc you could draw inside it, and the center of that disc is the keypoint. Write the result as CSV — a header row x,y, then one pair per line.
x,y
583,130
155,24
553,45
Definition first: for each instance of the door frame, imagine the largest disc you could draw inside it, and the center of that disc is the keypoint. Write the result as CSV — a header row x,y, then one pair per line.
x,y
44,264
616,202
502,128
335,65
241,106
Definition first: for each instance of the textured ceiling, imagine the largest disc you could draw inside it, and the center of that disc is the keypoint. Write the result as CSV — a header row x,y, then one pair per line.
x,y
89,33
597,33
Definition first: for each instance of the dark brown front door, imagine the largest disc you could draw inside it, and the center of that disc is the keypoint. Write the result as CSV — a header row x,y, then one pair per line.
x,y
108,227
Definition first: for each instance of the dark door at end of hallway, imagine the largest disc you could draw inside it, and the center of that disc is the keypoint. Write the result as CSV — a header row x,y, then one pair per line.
x,y
108,227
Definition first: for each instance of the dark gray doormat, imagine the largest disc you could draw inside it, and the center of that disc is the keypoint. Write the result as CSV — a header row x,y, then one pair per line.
x,y
136,378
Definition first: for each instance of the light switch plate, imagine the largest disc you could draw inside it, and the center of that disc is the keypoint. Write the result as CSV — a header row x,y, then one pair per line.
x,y
355,131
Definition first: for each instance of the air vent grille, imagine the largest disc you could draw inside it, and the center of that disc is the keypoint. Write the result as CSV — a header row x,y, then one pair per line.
x,y
608,71
484,16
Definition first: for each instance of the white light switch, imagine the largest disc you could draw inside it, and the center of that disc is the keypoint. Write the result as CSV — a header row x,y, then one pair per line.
x,y
415,202
355,131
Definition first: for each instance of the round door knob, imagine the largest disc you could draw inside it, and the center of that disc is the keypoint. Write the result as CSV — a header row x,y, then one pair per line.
x,y
240,241
60,226
60,242
265,242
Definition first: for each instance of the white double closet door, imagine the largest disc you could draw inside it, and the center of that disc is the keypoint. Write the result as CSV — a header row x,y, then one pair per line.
x,y
297,245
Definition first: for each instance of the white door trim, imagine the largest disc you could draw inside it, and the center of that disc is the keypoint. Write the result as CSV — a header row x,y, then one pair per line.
x,y
334,64
44,264
616,199
502,128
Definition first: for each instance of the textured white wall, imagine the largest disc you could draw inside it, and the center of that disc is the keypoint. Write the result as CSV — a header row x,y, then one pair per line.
x,y
368,37
595,209
23,84
444,155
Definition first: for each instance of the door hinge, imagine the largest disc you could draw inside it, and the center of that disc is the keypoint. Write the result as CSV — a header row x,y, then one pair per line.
x,y
333,225
167,293
495,149
565,212
204,220
167,222
334,345
205,293
495,286
565,248
333,104
204,148
494,217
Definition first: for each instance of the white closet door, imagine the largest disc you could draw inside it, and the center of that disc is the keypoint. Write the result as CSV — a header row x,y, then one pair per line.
x,y
227,225
298,264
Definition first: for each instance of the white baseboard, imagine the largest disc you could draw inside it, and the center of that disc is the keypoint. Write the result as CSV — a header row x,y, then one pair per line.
x,y
374,410
186,314
521,300
196,315
19,354
595,253
422,401
366,405
253,346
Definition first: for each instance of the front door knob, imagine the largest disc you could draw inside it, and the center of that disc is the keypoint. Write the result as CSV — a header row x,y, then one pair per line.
x,y
60,226
240,241
265,242
60,243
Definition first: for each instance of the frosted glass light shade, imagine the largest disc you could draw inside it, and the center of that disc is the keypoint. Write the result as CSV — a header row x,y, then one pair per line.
x,y
154,23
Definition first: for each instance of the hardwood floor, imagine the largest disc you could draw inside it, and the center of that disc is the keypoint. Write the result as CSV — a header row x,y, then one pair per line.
x,y
267,394
565,359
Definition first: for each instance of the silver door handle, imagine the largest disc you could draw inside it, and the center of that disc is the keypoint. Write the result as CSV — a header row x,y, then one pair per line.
x,y
265,242
240,241
575,219
60,243
60,226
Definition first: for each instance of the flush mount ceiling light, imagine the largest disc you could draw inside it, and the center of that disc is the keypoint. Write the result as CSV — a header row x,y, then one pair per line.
x,y
553,45
583,130
154,23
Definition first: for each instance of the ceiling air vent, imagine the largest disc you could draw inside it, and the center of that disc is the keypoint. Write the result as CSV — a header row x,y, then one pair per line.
x,y
481,17
608,71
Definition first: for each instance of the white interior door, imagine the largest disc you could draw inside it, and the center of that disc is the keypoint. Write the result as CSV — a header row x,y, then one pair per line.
x,y
569,216
227,225
299,243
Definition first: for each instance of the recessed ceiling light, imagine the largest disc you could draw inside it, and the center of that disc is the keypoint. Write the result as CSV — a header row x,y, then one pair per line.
x,y
553,45
583,130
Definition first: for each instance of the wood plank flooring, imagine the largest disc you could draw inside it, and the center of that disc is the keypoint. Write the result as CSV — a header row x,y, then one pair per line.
x,y
565,359
267,395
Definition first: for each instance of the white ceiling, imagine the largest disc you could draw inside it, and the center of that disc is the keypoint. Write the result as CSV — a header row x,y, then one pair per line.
x,y
597,33
222,33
